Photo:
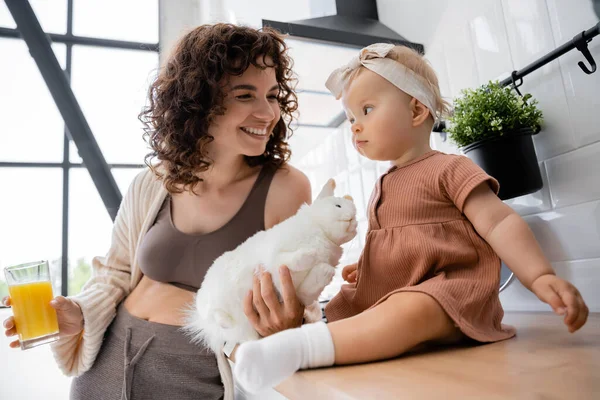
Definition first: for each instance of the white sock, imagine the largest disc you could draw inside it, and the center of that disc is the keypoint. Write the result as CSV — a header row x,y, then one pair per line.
x,y
267,362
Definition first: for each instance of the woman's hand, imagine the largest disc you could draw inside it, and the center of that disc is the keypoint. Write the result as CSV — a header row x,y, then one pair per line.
x,y
349,273
70,318
564,298
263,309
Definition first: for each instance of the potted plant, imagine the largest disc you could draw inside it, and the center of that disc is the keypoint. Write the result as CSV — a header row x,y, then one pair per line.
x,y
493,126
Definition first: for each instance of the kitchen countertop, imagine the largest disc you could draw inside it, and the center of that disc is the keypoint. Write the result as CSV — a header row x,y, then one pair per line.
x,y
544,361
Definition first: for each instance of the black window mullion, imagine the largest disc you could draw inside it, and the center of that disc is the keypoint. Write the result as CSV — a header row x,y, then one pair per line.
x,y
70,40
64,268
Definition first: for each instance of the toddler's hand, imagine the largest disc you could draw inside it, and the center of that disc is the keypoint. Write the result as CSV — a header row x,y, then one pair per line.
x,y
564,298
349,273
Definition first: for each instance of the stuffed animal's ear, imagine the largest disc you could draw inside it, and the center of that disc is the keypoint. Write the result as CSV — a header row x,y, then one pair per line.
x,y
327,190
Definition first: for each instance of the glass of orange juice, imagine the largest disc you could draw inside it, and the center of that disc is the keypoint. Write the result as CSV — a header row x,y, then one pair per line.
x,y
30,292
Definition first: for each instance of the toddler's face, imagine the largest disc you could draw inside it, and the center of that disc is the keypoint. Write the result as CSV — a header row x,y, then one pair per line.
x,y
380,115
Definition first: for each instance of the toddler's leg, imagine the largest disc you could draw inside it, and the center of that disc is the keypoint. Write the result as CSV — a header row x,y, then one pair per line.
x,y
395,326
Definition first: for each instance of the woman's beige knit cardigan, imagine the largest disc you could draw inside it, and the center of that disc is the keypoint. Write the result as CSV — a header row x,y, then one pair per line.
x,y
114,277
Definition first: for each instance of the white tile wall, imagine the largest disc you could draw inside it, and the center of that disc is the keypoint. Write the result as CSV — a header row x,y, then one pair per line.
x,y
582,273
530,37
568,18
574,177
461,64
569,233
489,38
438,62
471,41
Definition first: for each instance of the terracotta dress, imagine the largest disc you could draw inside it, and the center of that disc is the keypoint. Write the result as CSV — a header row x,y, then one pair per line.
x,y
419,240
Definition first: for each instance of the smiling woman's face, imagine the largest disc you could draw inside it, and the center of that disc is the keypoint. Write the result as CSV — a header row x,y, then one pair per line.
x,y
251,112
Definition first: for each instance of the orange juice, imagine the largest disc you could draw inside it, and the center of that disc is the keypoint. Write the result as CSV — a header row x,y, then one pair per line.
x,y
34,317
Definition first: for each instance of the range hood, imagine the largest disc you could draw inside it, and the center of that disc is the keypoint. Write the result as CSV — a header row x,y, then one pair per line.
x,y
355,24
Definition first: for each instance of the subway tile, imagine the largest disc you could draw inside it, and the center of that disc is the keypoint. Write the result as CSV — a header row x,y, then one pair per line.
x,y
436,55
517,298
574,177
530,37
460,60
584,274
557,135
401,18
569,233
528,28
568,19
489,39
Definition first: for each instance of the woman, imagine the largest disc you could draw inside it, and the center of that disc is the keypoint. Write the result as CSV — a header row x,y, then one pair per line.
x,y
216,125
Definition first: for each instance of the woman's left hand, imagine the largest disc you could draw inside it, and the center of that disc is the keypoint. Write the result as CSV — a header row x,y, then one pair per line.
x,y
263,309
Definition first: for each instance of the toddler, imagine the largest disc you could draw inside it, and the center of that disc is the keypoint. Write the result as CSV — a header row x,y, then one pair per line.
x,y
430,268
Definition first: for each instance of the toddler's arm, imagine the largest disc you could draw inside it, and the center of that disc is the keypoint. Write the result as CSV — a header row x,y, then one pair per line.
x,y
510,237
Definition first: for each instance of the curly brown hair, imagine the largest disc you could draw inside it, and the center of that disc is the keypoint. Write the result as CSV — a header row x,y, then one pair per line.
x,y
188,94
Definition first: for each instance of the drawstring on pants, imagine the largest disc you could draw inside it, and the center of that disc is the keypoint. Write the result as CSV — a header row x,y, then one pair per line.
x,y
130,365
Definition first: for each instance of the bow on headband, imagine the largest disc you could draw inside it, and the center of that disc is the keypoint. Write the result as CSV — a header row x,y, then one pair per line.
x,y
373,57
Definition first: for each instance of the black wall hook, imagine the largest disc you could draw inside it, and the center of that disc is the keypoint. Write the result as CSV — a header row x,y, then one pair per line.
x,y
516,85
578,42
581,45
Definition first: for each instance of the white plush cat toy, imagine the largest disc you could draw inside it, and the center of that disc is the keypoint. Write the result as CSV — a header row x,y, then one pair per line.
x,y
308,243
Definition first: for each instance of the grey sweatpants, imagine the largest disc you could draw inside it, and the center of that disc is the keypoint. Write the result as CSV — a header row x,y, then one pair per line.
x,y
147,360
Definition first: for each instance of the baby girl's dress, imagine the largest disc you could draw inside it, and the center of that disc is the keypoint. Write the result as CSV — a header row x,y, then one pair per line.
x,y
419,240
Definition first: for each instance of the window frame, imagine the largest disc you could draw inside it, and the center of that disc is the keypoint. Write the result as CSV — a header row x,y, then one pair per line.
x,y
70,40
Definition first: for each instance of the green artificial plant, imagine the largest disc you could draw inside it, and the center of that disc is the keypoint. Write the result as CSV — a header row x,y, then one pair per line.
x,y
491,111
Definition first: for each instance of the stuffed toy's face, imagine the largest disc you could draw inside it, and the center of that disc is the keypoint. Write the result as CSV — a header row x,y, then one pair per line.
x,y
336,215
340,217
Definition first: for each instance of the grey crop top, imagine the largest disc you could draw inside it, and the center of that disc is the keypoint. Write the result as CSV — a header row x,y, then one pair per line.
x,y
169,255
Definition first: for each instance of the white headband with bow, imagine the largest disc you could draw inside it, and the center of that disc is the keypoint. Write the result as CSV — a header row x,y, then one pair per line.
x,y
374,58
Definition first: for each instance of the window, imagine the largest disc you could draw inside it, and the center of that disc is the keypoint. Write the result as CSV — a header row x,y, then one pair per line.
x,y
130,20
110,83
52,15
31,220
23,138
111,87
90,227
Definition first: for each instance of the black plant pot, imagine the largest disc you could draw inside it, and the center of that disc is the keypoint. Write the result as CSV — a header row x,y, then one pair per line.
x,y
511,160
